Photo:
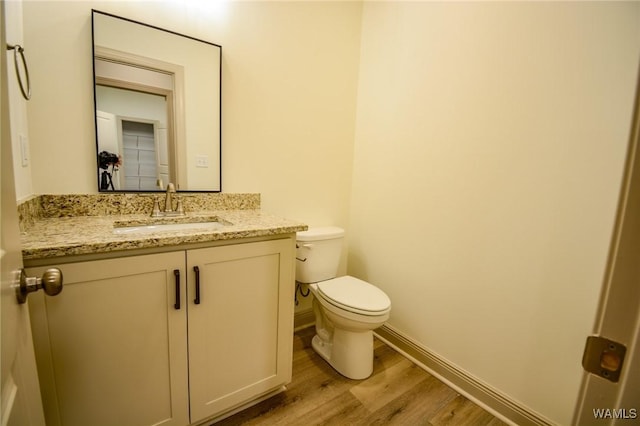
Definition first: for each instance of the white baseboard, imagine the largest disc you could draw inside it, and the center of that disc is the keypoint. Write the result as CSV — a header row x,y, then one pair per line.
x,y
303,319
496,403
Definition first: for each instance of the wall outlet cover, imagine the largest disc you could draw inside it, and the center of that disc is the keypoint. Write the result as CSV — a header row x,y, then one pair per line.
x,y
202,161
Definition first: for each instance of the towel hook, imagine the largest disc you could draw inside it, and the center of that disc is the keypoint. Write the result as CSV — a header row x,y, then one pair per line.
x,y
17,49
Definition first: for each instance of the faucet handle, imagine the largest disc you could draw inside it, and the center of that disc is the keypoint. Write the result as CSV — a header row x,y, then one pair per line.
x,y
156,208
179,208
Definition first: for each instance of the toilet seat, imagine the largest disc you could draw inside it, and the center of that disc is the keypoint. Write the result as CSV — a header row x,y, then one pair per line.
x,y
354,295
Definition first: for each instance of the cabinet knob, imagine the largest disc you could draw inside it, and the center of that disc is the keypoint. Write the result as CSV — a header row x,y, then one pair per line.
x,y
51,283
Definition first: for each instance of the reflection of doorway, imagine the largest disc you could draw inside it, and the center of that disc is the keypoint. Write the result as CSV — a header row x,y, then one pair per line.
x,y
116,105
141,152
134,106
139,93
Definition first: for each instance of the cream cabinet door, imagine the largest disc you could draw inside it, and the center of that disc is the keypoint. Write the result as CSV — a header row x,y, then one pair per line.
x,y
241,329
112,347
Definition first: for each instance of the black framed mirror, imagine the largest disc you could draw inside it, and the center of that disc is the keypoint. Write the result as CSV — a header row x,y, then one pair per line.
x,y
158,105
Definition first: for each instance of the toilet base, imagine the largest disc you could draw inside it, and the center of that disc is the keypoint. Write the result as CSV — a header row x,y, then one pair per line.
x,y
350,353
322,348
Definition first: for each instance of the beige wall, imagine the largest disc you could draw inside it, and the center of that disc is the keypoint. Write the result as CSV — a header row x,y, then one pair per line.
x,y
490,142
18,112
289,85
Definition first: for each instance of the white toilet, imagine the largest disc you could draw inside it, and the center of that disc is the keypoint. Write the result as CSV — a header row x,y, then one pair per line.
x,y
347,309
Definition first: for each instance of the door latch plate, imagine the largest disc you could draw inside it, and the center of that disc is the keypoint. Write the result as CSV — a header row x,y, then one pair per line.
x,y
603,357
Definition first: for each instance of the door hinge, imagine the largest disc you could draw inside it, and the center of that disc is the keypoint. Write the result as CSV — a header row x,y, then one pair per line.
x,y
603,357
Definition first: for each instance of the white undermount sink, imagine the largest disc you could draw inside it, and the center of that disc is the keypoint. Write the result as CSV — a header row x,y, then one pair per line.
x,y
167,227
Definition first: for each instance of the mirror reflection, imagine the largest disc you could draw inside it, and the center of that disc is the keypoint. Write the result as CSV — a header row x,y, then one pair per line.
x,y
157,100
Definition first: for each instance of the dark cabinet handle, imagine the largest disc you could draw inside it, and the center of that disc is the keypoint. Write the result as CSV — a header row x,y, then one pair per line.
x,y
197,299
176,272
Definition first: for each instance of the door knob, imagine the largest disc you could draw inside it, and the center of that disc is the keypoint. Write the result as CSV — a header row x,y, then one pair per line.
x,y
51,283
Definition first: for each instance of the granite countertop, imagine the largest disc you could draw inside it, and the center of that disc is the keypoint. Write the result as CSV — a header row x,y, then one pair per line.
x,y
50,238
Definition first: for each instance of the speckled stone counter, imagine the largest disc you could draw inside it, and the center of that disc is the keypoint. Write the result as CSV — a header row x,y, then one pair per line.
x,y
56,235
106,204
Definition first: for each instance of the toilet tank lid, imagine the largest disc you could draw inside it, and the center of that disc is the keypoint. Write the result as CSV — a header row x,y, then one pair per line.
x,y
320,233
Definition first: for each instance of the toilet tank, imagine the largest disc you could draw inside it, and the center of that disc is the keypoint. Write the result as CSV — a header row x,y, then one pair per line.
x,y
318,253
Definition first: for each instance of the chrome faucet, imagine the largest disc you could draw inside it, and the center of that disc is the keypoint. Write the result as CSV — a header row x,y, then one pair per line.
x,y
168,201
168,205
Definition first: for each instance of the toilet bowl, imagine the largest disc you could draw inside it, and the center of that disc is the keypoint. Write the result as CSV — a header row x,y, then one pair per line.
x,y
346,309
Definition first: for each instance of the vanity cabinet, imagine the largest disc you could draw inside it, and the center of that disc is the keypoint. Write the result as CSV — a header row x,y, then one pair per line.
x,y
169,338
241,331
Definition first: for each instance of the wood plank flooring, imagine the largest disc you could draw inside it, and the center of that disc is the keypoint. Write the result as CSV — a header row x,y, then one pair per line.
x,y
397,393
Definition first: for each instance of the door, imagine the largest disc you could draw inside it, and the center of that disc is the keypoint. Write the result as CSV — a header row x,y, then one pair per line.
x,y
112,347
241,327
20,391
140,149
108,137
602,401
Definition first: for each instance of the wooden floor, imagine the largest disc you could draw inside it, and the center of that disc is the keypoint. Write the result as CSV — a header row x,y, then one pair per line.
x,y
397,393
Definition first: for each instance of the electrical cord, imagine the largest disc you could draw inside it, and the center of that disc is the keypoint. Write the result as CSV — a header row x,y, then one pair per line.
x,y
301,291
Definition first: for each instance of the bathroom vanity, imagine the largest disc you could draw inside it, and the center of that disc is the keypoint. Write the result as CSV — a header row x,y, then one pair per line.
x,y
171,327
